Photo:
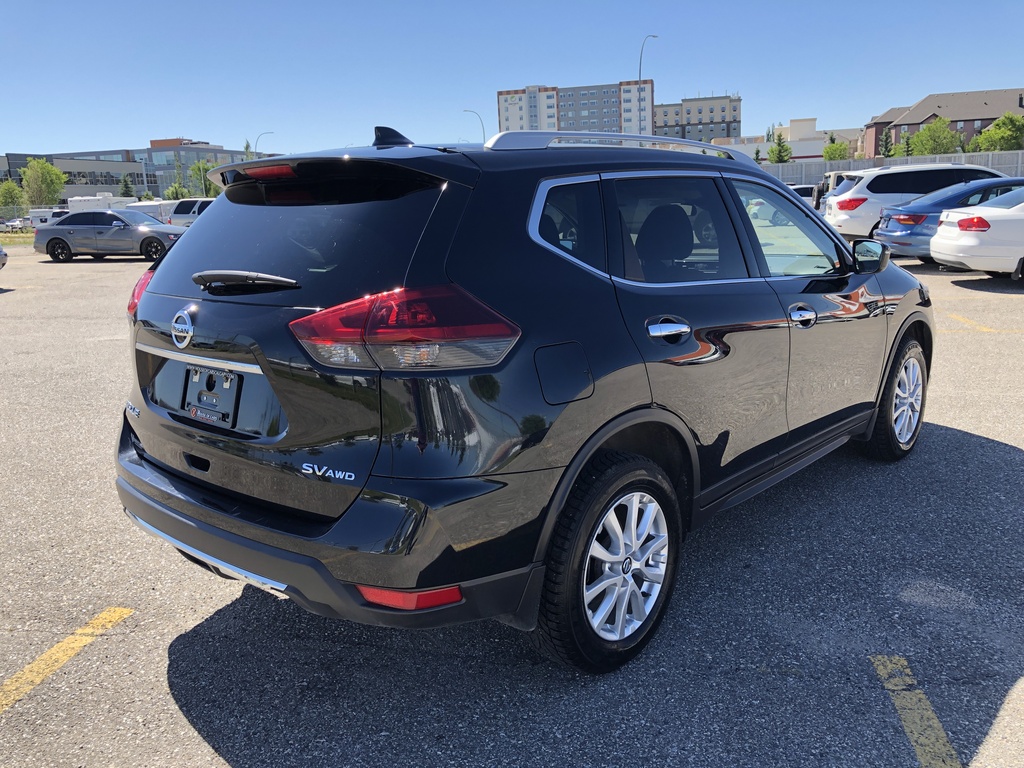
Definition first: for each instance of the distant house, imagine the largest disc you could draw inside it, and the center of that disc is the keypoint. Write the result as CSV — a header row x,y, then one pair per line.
x,y
968,113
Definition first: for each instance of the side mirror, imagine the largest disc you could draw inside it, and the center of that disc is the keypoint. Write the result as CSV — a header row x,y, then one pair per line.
x,y
119,224
869,256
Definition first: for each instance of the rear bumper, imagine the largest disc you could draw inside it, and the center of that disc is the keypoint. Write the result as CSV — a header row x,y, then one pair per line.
x,y
377,542
904,244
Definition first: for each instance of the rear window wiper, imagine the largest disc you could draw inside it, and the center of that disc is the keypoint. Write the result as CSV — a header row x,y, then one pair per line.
x,y
240,281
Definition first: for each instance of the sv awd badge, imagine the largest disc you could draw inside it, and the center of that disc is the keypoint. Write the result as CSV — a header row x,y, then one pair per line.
x,y
336,474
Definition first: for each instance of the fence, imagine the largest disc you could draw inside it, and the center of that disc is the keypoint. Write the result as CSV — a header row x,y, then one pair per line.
x,y
812,171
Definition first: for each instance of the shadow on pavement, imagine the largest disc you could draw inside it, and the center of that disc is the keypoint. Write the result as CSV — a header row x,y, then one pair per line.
x,y
762,659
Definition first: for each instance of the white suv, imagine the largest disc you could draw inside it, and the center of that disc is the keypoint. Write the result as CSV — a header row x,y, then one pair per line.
x,y
854,207
188,209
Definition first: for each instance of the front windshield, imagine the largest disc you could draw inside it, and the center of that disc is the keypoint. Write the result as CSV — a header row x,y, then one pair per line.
x,y
1008,200
138,218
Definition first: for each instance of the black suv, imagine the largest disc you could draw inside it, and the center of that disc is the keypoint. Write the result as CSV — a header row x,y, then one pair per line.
x,y
413,386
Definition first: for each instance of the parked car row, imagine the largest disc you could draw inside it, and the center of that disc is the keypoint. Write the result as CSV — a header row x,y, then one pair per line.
x,y
928,212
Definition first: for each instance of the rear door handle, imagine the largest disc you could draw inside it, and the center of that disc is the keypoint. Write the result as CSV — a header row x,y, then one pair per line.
x,y
661,330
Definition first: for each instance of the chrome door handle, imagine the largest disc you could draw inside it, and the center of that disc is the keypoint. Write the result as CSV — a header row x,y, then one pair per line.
x,y
803,317
661,330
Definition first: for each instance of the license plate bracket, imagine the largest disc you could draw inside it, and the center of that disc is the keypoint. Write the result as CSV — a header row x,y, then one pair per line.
x,y
211,395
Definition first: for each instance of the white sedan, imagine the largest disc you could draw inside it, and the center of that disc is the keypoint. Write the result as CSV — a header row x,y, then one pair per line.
x,y
987,237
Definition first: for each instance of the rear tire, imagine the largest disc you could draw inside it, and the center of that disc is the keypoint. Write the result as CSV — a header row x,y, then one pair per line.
x,y
611,565
901,411
59,250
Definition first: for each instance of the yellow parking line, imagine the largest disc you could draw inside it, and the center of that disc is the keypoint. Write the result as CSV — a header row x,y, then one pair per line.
x,y
49,662
974,325
916,714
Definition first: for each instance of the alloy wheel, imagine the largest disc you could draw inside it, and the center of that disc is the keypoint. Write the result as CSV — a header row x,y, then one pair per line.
x,y
906,402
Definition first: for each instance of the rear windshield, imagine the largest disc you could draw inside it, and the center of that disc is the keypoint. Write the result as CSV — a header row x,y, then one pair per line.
x,y
339,231
1007,200
847,184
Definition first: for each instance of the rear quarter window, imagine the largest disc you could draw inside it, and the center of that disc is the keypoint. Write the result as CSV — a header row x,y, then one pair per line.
x,y
185,206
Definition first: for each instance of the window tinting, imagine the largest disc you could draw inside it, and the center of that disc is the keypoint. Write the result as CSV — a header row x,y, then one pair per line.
x,y
676,230
77,220
572,222
913,182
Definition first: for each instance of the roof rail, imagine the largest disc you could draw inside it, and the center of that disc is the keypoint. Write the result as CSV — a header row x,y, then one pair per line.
x,y
545,139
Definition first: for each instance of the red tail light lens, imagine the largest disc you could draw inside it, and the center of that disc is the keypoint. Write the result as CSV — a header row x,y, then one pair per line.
x,y
410,601
909,218
137,291
414,329
974,224
851,203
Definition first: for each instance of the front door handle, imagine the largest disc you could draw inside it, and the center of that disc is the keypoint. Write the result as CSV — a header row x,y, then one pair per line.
x,y
661,330
803,317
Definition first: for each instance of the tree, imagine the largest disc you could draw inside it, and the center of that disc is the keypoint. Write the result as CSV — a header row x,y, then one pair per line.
x,y
1004,135
11,196
831,137
197,173
936,138
757,155
247,151
835,151
177,191
126,190
42,182
902,149
147,195
886,147
780,151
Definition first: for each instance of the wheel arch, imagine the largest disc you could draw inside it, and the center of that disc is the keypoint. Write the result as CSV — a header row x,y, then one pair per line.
x,y
915,326
654,433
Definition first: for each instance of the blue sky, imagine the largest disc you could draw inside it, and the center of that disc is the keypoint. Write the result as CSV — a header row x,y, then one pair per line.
x,y
320,75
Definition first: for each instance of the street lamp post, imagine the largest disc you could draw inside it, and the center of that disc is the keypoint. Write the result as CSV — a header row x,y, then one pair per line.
x,y
640,77
255,148
483,131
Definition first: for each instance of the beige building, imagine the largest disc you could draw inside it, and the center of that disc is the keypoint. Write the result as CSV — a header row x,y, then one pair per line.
x,y
702,119
803,137
623,107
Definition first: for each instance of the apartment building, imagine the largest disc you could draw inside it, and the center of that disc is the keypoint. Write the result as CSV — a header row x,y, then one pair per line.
x,y
623,107
968,113
702,118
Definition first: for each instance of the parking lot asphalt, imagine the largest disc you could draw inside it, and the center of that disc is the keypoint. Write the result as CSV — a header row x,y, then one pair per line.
x,y
838,619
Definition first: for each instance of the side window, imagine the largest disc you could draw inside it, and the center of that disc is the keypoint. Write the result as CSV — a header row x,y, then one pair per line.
x,y
971,174
572,223
676,230
185,206
103,219
791,242
76,220
203,206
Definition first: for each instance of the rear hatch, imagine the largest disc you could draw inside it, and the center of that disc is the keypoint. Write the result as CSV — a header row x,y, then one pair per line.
x,y
232,398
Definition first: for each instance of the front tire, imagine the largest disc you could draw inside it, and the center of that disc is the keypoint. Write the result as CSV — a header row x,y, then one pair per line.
x,y
901,411
612,564
59,250
153,249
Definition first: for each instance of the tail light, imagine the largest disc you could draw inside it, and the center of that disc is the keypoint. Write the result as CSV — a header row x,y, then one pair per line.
x,y
910,218
137,291
408,329
851,203
973,224
168,219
